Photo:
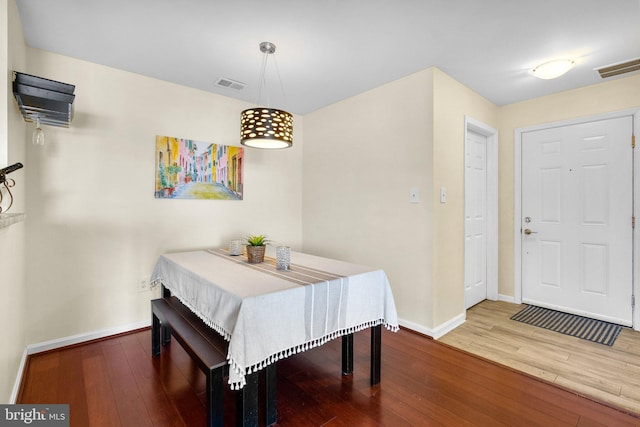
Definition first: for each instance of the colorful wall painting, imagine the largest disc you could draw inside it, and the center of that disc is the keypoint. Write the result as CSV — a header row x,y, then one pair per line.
x,y
187,169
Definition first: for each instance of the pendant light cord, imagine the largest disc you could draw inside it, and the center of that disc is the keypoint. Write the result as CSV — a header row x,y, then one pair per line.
x,y
263,79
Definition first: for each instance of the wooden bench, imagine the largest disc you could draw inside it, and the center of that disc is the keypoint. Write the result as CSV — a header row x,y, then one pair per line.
x,y
209,350
205,346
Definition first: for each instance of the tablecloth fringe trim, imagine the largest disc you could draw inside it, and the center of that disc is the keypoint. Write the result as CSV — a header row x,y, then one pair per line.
x,y
298,349
208,322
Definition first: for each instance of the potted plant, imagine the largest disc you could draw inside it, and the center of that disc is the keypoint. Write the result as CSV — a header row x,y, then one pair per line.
x,y
256,245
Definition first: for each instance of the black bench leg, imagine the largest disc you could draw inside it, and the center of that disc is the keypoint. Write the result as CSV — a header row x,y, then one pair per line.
x,y
270,392
215,398
376,353
166,293
155,334
166,329
165,334
247,402
347,354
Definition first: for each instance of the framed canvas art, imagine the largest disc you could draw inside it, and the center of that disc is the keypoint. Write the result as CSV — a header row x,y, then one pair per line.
x,y
187,169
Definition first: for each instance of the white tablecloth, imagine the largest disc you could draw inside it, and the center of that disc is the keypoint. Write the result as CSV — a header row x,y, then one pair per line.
x,y
267,314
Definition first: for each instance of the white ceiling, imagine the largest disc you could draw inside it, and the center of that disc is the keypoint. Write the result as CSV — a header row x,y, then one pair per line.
x,y
328,50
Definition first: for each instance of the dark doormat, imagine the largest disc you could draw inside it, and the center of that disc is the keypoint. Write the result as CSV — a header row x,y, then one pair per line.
x,y
569,324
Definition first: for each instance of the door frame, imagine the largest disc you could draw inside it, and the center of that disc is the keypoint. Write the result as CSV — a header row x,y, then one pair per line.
x,y
491,134
517,190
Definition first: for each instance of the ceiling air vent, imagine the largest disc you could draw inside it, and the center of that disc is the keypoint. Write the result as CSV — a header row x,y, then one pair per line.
x,y
620,68
44,99
228,83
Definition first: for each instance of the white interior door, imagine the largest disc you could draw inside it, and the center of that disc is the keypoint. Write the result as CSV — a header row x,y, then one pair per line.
x,y
475,224
577,205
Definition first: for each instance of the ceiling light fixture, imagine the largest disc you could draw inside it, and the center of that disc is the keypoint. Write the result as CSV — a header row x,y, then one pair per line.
x,y
553,69
265,127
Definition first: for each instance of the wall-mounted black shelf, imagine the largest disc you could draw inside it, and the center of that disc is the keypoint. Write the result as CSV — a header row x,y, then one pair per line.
x,y
47,100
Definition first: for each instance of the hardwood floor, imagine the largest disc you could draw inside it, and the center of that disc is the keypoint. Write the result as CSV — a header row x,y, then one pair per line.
x,y
116,382
611,374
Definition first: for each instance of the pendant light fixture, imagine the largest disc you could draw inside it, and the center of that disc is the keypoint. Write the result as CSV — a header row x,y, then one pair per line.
x,y
265,127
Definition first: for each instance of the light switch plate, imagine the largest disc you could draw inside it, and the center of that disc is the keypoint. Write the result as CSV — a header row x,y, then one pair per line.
x,y
414,195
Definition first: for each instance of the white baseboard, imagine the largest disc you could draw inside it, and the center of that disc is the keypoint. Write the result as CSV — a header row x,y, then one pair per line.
x,y
63,342
16,385
88,336
449,325
435,333
415,327
506,298
438,331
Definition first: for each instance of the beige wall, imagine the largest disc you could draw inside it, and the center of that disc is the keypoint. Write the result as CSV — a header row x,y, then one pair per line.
x,y
94,227
361,157
12,240
452,101
616,95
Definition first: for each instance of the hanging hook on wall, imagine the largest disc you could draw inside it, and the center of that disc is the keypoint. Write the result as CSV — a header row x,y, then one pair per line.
x,y
8,183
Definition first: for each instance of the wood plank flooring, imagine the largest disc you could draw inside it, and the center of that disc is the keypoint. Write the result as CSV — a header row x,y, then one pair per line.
x,y
610,374
116,382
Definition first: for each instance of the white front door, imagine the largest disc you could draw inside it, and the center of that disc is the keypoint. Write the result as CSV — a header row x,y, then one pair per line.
x,y
475,221
577,208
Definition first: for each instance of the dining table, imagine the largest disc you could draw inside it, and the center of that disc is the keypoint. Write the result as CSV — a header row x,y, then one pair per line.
x,y
267,314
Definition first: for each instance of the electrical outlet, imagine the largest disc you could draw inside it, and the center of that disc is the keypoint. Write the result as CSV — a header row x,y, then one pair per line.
x,y
143,285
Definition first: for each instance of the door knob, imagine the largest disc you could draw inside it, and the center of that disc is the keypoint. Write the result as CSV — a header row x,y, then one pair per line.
x,y
527,231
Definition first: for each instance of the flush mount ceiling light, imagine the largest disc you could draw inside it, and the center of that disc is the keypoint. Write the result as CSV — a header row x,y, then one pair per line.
x,y
553,69
265,127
